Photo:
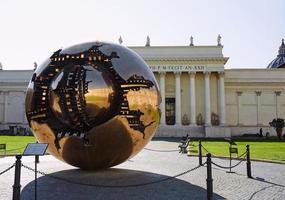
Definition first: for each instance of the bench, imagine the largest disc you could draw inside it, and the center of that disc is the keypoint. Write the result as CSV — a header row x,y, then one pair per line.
x,y
3,147
184,139
183,146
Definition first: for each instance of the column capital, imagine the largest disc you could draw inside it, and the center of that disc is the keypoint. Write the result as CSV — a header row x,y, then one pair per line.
x,y
162,73
192,73
277,93
206,73
221,74
258,93
177,73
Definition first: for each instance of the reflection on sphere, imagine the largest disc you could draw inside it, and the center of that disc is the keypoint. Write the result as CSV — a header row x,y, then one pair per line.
x,y
96,104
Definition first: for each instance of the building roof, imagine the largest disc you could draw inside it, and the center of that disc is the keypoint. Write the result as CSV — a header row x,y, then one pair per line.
x,y
279,61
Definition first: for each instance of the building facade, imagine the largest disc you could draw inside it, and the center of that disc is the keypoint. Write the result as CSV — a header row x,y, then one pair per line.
x,y
199,96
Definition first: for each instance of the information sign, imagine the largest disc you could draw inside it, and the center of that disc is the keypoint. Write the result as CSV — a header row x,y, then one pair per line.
x,y
35,149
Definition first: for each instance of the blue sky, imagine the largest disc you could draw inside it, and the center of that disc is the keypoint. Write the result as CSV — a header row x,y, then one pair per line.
x,y
251,31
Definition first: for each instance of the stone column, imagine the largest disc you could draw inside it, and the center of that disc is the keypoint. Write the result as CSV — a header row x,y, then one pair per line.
x,y
207,99
239,108
277,94
222,104
192,98
177,99
2,93
258,108
24,110
162,94
5,117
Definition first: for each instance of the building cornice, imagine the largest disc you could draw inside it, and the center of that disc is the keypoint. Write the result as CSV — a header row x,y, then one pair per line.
x,y
181,53
16,70
14,83
199,59
255,75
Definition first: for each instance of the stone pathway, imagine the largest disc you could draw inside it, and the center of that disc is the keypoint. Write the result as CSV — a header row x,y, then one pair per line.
x,y
147,166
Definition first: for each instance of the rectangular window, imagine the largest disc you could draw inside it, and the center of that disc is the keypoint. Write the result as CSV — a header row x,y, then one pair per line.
x,y
170,111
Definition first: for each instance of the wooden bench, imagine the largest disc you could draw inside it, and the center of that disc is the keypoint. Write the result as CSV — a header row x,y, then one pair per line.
x,y
3,147
184,139
183,146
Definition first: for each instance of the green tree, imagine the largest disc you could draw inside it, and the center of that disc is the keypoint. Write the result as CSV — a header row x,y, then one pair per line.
x,y
278,124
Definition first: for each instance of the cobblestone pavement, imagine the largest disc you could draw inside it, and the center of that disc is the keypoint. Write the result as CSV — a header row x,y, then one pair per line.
x,y
147,166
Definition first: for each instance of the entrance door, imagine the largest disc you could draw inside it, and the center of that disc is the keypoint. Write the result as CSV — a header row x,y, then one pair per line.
x,y
170,111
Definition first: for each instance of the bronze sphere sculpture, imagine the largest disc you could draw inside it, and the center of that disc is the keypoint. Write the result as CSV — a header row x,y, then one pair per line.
x,y
96,104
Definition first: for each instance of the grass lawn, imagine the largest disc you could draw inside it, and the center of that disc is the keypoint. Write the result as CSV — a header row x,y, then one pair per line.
x,y
272,150
15,144
265,149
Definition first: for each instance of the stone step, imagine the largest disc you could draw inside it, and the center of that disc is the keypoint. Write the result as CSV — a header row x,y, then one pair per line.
x,y
180,131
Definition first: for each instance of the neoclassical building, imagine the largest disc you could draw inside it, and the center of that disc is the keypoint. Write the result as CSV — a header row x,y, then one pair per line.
x,y
199,96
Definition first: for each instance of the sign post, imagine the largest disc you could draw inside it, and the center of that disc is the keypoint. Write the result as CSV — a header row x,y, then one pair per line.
x,y
231,151
35,149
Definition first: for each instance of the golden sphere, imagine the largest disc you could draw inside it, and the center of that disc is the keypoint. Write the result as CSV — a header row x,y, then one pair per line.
x,y
96,104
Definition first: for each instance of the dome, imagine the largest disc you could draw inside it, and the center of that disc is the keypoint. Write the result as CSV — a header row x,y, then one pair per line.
x,y
279,61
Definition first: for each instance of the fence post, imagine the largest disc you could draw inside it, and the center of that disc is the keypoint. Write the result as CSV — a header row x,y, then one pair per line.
x,y
209,178
37,159
248,163
230,150
17,179
200,153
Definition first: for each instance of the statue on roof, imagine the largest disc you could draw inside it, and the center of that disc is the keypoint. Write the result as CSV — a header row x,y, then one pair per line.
x,y
120,40
191,41
219,40
1,67
35,66
147,44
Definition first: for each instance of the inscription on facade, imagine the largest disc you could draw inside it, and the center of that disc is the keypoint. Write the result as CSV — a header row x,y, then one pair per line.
x,y
181,68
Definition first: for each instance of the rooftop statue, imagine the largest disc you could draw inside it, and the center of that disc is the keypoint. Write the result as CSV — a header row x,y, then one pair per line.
x,y
35,66
120,40
219,40
191,41
147,44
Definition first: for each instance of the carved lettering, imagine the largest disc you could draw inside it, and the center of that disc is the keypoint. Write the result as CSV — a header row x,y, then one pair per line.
x,y
179,68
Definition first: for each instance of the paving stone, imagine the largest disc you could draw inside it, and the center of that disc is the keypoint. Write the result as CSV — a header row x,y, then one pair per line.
x,y
147,166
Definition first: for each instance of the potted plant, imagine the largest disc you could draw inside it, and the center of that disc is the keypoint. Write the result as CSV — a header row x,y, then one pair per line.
x,y
278,124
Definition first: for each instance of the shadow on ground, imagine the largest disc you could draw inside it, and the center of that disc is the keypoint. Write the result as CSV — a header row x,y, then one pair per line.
x,y
51,188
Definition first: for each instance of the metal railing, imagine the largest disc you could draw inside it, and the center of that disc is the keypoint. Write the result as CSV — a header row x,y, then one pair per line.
x,y
209,162
209,180
7,169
